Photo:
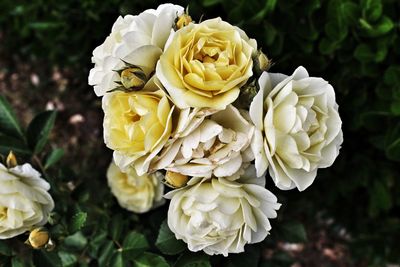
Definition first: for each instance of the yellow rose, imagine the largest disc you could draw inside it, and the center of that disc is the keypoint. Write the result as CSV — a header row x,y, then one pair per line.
x,y
137,193
205,64
136,126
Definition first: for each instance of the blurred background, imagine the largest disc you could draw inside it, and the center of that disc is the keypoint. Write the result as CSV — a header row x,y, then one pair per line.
x,y
348,217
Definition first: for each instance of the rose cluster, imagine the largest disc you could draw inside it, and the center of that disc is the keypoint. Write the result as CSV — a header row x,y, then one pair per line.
x,y
193,106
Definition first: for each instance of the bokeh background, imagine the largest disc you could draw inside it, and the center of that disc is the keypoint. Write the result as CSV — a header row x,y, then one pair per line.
x,y
348,217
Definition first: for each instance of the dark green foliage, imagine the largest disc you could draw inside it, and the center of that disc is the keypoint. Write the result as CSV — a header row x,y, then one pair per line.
x,y
355,45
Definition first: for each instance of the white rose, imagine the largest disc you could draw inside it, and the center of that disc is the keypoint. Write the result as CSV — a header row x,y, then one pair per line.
x,y
220,216
24,200
138,40
134,192
298,127
218,146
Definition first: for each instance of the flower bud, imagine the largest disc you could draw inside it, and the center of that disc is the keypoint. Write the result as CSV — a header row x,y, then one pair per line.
x,y
133,78
11,161
262,63
38,238
183,21
175,180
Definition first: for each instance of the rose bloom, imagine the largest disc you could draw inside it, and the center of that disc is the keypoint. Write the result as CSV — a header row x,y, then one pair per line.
x,y
220,216
138,40
136,126
298,127
134,192
24,200
205,64
219,146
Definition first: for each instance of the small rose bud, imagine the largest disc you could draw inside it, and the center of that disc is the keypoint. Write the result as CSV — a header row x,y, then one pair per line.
x,y
175,180
133,78
38,238
11,161
183,21
262,63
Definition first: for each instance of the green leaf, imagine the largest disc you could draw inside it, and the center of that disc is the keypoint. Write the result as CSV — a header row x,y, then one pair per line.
x,y
335,31
166,241
5,248
293,232
76,241
148,259
8,143
46,259
45,25
16,262
380,199
95,242
106,252
350,12
267,9
77,221
392,76
134,244
54,157
117,260
393,150
383,26
116,226
372,10
67,259
39,130
327,46
363,53
395,108
8,121
208,3
193,260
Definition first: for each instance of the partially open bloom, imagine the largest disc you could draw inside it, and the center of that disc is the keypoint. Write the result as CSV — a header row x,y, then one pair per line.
x,y
137,40
219,146
298,127
205,64
24,200
137,193
220,216
136,126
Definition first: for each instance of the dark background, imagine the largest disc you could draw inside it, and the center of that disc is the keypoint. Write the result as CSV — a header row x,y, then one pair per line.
x,y
348,217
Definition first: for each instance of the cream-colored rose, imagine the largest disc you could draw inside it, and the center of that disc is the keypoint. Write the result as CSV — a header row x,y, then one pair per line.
x,y
298,127
137,193
138,40
218,146
24,200
205,64
136,126
220,216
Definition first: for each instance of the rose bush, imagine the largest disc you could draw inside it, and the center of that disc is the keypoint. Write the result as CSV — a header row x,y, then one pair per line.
x,y
298,128
134,192
138,40
220,216
24,200
205,64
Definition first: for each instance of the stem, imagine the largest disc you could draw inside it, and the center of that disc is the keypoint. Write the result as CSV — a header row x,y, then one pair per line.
x,y
38,162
